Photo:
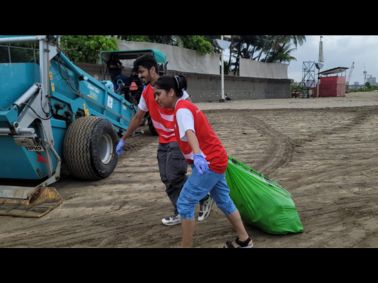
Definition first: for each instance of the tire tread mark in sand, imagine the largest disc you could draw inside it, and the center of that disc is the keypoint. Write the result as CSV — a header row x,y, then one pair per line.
x,y
361,116
280,148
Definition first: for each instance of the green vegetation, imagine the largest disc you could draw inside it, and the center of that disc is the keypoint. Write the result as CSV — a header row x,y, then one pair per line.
x,y
86,48
367,87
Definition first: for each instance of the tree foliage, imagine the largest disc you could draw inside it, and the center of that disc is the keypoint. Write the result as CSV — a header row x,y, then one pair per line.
x,y
197,42
86,48
264,48
163,39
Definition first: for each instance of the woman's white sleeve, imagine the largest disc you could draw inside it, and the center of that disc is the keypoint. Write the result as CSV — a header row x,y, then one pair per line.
x,y
185,122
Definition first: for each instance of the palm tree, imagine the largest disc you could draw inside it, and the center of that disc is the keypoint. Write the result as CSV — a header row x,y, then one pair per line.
x,y
244,46
280,47
298,39
281,53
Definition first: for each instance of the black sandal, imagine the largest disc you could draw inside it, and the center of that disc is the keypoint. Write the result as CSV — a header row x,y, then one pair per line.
x,y
239,244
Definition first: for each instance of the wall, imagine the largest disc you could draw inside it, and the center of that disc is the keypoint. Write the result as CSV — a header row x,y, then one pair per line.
x,y
179,59
204,87
185,60
255,69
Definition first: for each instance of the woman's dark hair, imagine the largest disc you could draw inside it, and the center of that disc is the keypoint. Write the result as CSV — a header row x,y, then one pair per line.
x,y
177,83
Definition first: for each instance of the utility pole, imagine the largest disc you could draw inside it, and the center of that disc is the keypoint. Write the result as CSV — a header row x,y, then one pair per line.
x,y
350,73
222,75
347,83
320,63
222,44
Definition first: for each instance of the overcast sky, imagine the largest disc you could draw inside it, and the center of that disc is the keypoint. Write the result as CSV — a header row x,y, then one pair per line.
x,y
339,51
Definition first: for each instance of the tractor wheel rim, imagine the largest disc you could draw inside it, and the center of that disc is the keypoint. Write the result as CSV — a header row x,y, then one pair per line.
x,y
106,149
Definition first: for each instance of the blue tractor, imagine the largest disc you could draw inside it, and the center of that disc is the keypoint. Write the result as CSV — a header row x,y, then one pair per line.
x,y
52,112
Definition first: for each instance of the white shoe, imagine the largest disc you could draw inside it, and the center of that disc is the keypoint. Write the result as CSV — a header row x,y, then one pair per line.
x,y
171,220
205,209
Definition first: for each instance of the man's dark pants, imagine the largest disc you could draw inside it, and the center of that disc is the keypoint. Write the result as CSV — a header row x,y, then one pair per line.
x,y
173,168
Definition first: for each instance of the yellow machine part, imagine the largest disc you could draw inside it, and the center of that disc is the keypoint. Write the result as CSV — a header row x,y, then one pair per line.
x,y
38,204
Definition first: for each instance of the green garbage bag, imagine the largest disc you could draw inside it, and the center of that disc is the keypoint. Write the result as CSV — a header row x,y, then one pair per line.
x,y
261,202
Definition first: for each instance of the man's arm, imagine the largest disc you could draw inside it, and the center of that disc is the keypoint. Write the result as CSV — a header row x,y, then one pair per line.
x,y
134,124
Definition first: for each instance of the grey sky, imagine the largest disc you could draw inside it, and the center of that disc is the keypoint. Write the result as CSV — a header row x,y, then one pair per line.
x,y
339,51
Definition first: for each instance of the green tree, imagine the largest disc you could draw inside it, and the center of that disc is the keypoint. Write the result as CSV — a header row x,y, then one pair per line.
x,y
86,48
280,47
163,39
197,42
265,48
138,38
245,46
280,51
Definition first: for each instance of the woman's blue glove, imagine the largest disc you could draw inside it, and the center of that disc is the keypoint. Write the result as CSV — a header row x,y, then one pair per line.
x,y
201,163
120,145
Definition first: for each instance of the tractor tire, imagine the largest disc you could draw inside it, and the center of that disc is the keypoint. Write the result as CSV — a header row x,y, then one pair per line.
x,y
151,126
89,148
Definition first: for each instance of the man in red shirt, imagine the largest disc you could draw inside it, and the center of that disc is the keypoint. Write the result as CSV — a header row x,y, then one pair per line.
x,y
172,165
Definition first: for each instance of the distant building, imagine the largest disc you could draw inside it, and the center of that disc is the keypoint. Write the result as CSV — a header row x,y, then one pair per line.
x,y
371,80
355,85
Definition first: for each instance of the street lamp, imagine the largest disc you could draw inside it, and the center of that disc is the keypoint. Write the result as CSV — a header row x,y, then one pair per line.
x,y
222,44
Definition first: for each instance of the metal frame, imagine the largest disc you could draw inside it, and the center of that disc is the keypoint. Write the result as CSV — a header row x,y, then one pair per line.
x,y
38,104
308,75
17,47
